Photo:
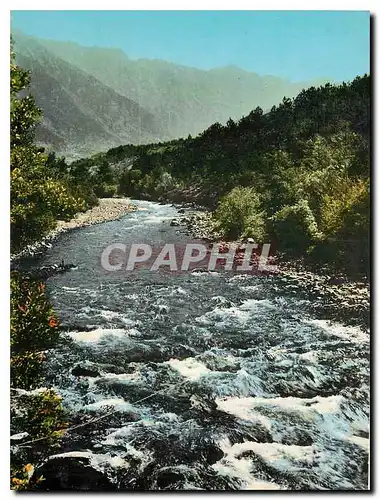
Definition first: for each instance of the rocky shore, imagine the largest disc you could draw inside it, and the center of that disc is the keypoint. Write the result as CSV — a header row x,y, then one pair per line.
x,y
198,223
108,209
344,297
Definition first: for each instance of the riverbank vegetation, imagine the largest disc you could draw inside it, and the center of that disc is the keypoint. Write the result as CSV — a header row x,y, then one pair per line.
x,y
42,192
298,175
37,414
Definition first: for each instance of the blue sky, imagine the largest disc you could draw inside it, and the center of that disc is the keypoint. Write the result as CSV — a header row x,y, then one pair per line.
x,y
298,45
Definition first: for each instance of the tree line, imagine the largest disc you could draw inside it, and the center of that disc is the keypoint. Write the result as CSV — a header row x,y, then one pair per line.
x,y
298,174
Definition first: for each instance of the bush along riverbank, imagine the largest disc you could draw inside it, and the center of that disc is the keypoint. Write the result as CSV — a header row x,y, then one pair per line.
x,y
37,415
107,209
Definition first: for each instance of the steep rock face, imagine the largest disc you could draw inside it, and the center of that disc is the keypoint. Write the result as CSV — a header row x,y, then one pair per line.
x,y
80,114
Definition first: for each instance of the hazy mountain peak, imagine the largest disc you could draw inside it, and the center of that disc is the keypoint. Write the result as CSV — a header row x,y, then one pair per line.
x,y
181,99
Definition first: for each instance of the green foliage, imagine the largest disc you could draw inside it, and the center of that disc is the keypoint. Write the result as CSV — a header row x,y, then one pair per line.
x,y
295,228
105,190
44,416
24,113
34,325
26,370
239,213
345,208
37,202
308,158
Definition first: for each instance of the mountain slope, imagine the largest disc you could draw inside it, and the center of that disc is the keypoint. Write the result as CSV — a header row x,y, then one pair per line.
x,y
81,115
186,100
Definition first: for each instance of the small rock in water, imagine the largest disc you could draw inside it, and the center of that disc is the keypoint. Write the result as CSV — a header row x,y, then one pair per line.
x,y
19,437
84,371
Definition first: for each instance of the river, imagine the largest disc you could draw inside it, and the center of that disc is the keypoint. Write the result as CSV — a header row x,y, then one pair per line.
x,y
209,380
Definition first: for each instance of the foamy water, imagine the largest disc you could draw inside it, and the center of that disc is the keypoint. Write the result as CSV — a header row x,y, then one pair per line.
x,y
206,380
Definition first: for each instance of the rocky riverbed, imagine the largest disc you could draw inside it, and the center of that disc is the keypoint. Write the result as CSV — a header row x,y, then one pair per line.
x,y
107,209
197,381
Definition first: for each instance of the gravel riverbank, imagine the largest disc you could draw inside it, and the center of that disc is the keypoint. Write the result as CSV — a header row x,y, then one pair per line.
x,y
108,209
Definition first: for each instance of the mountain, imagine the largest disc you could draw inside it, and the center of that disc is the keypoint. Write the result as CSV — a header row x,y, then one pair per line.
x,y
81,115
188,100
181,100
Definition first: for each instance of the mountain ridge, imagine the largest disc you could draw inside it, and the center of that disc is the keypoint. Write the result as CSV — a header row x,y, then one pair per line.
x,y
179,100
78,110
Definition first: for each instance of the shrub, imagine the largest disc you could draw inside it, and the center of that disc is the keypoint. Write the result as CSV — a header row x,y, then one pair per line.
x,y
41,415
34,325
239,215
26,370
345,208
295,228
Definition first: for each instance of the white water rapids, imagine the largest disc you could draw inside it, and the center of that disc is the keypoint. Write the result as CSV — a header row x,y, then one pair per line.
x,y
251,389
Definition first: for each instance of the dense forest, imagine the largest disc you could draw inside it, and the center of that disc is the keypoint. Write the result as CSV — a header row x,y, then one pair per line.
x,y
297,175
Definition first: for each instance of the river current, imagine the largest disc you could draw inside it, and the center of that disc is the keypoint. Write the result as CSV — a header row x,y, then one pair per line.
x,y
207,380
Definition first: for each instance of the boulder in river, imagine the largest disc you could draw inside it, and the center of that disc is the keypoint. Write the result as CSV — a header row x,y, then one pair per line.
x,y
72,471
82,370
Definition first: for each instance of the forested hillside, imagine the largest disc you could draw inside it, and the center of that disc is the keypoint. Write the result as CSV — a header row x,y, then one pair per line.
x,y
298,174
